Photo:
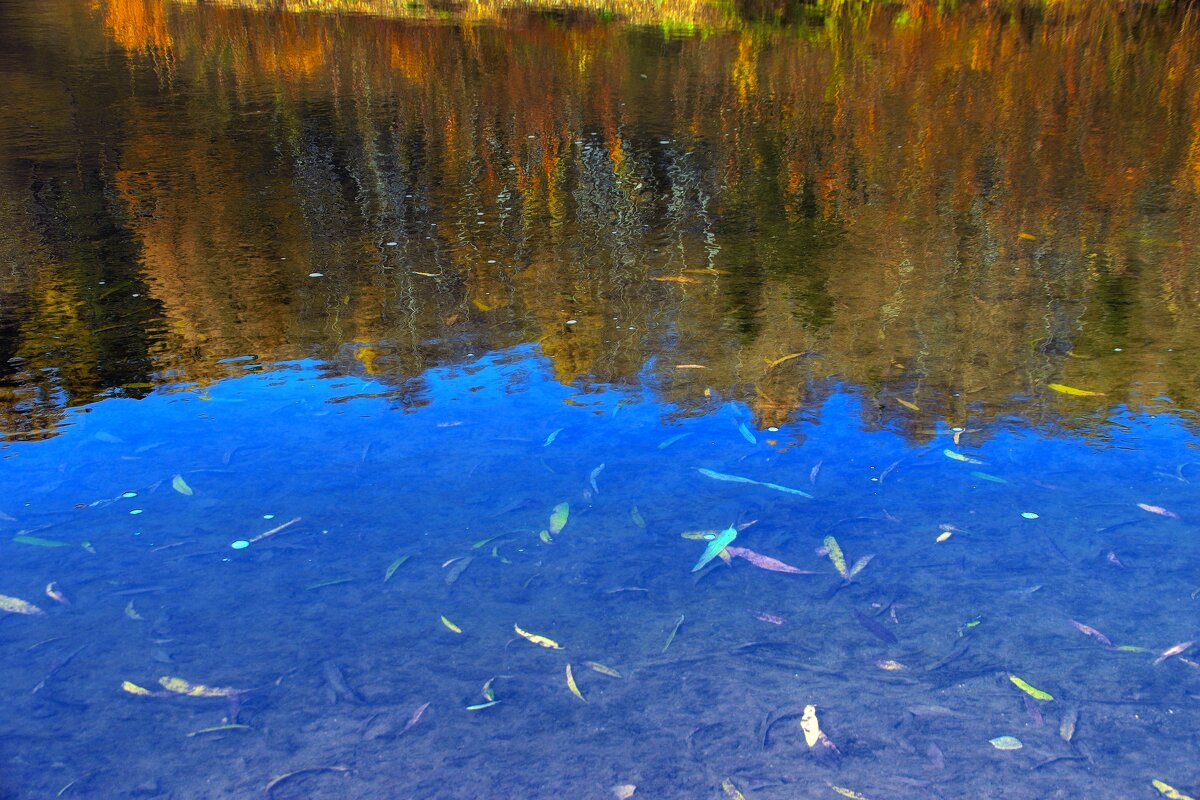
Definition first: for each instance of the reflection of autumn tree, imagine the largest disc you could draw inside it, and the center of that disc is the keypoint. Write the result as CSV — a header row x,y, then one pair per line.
x,y
948,207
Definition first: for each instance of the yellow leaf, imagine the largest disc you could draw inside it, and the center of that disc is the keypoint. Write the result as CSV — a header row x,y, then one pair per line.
x,y
451,625
538,640
1035,693
732,790
838,559
15,605
180,686
558,520
1071,390
783,360
573,686
1170,791
908,405
811,726
133,688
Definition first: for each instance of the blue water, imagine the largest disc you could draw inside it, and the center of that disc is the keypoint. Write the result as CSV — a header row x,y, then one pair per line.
x,y
374,379
465,455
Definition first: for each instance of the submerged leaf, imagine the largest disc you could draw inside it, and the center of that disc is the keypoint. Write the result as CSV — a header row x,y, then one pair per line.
x,y
731,790
746,434
948,453
181,486
558,519
395,565
637,518
721,476
675,630
1033,692
180,686
37,541
1006,743
536,639
1169,791
834,551
766,562
574,687
596,666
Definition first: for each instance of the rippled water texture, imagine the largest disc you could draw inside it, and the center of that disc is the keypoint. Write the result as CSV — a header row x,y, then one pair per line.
x,y
374,379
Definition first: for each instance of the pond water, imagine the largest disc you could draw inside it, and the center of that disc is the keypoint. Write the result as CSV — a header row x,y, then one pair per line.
x,y
376,378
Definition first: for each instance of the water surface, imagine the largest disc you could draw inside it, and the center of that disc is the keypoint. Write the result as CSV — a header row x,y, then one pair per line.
x,y
425,280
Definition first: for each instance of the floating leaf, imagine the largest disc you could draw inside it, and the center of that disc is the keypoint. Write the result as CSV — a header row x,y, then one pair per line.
x,y
703,536
1071,390
783,360
450,625
536,639
573,686
1033,692
181,486
844,792
716,546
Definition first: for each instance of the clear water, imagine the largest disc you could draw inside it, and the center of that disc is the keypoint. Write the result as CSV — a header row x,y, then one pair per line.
x,y
415,277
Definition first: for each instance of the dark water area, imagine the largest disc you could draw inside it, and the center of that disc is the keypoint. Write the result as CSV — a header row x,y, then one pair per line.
x,y
375,378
